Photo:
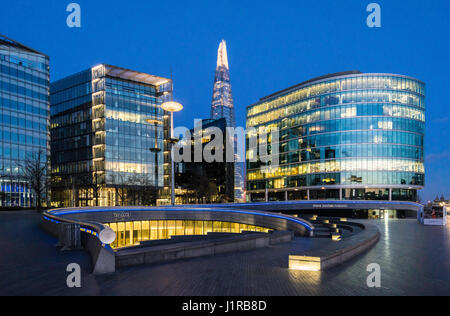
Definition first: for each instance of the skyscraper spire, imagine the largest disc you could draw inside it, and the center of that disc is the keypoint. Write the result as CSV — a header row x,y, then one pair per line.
x,y
222,106
222,56
222,101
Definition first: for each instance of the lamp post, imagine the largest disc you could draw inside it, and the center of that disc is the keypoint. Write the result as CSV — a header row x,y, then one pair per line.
x,y
156,150
172,107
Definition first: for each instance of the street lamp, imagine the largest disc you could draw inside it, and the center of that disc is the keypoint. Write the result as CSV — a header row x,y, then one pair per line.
x,y
155,149
172,107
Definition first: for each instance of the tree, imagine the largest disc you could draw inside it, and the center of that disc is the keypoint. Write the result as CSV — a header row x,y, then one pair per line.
x,y
118,183
149,192
199,184
91,184
34,171
211,192
133,183
141,190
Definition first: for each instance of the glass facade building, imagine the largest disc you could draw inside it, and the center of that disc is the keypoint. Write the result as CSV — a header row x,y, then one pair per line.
x,y
109,137
205,182
222,106
24,117
345,136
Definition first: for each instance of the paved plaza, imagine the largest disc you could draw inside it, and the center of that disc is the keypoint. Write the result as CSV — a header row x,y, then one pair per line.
x,y
414,260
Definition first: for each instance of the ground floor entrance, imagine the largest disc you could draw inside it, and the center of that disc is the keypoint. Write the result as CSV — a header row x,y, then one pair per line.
x,y
382,214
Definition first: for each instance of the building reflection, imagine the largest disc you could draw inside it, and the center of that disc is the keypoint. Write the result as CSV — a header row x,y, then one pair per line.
x,y
310,278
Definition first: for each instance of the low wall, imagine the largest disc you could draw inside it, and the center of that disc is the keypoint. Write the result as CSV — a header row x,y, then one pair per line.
x,y
102,259
270,220
337,253
162,253
410,208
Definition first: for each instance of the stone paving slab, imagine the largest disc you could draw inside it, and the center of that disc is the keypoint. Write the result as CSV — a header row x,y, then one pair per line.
x,y
414,260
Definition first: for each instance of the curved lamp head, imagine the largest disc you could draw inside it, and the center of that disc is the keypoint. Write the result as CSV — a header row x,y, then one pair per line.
x,y
155,122
172,106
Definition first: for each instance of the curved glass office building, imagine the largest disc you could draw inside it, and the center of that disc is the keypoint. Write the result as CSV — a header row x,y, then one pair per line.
x,y
345,136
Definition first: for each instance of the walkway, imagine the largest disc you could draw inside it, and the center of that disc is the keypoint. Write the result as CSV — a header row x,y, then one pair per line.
x,y
414,260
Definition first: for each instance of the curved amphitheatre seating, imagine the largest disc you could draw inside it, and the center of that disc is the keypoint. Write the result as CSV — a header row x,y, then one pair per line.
x,y
95,237
326,226
354,238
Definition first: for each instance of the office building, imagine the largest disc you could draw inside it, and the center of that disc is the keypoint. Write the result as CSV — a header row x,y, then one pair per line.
x,y
344,136
205,182
24,118
109,137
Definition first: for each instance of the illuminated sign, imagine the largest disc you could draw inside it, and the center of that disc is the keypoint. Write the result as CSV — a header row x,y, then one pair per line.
x,y
330,205
122,215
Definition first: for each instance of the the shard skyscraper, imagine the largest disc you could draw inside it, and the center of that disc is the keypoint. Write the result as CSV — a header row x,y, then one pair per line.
x,y
222,102
222,106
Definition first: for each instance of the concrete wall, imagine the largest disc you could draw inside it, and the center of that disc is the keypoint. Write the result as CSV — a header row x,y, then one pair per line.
x,y
336,253
264,219
102,259
162,253
412,207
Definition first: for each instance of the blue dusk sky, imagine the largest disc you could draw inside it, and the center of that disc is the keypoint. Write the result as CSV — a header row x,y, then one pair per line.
x,y
271,46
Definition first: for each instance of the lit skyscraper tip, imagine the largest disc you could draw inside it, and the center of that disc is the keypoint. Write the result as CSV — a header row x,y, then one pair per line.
x,y
222,57
222,101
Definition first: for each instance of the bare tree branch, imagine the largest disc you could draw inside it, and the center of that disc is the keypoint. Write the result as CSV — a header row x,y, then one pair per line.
x,y
35,171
